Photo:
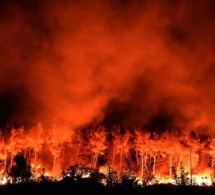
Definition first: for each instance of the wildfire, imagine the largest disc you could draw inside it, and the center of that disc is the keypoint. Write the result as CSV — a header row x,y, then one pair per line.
x,y
109,155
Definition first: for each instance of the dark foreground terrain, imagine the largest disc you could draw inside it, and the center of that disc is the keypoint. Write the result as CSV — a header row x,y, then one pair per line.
x,y
66,187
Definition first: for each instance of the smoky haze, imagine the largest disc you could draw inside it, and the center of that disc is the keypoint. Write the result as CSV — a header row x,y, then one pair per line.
x,y
148,63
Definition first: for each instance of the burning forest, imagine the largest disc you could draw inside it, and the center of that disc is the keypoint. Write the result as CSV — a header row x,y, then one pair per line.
x,y
110,155
120,92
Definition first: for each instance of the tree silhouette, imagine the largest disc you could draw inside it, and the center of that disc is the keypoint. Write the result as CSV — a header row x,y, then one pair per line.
x,y
20,169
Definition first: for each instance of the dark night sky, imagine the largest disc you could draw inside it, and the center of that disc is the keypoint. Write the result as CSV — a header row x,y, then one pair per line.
x,y
140,62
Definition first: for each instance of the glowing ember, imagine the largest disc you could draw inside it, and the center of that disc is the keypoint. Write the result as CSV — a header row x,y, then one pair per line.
x,y
4,181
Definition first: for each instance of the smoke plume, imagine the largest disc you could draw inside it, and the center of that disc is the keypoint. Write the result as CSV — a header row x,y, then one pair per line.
x,y
148,63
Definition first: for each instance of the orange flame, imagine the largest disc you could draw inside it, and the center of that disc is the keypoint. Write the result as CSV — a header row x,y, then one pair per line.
x,y
162,156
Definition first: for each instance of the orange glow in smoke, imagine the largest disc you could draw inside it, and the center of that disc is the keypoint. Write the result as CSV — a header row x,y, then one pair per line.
x,y
87,66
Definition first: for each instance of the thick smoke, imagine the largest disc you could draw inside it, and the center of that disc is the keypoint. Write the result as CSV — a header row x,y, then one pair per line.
x,y
130,63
